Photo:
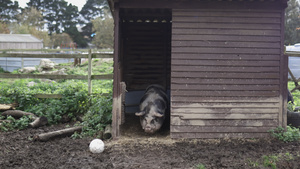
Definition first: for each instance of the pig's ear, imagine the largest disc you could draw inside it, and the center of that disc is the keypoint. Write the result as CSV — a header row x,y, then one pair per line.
x,y
158,114
140,113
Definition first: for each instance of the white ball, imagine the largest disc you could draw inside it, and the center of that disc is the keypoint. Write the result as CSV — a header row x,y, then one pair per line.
x,y
96,146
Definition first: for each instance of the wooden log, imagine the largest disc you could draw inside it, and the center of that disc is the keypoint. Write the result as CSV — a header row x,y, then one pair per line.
x,y
107,132
59,133
38,122
4,107
17,113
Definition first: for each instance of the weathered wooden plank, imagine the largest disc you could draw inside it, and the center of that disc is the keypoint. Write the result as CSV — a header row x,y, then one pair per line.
x,y
237,123
224,105
44,96
226,26
43,55
235,38
234,50
229,44
227,13
56,55
242,116
227,20
213,56
294,54
223,99
219,135
233,110
219,129
41,76
253,63
183,80
176,93
228,10
224,87
102,55
212,75
267,5
224,69
102,77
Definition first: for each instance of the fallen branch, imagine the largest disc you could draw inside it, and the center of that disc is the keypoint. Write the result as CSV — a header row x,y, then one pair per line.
x,y
17,113
4,107
58,133
38,122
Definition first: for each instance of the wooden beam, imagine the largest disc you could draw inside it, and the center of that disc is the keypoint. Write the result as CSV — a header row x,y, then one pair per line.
x,y
90,72
201,4
41,76
46,96
116,89
56,55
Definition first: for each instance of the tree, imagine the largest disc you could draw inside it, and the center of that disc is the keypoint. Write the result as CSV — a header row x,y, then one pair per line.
x,y
103,28
92,10
60,17
292,22
31,17
38,4
76,36
59,39
71,17
4,28
8,10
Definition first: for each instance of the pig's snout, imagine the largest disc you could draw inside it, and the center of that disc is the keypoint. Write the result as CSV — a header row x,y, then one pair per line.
x,y
149,129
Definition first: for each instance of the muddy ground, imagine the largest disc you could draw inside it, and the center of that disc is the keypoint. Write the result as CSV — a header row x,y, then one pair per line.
x,y
17,150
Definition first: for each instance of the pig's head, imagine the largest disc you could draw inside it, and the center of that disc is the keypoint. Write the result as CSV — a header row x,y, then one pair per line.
x,y
150,119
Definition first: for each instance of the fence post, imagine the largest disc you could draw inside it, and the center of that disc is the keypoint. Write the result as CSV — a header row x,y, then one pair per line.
x,y
90,72
22,62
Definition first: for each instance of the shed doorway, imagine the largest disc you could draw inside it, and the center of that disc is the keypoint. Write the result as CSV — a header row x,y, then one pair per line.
x,y
145,57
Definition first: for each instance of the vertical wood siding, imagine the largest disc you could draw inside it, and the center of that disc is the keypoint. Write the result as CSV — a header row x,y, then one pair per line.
x,y
147,53
225,73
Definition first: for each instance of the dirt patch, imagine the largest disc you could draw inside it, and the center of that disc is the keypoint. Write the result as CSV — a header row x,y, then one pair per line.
x,y
17,150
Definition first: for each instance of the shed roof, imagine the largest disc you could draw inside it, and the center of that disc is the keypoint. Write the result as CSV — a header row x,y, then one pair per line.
x,y
112,2
18,38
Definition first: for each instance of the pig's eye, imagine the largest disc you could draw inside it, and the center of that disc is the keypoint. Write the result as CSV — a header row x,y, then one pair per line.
x,y
152,121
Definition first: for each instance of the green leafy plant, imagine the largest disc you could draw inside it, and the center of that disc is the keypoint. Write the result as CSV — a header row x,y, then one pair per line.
x,y
200,166
296,97
98,116
270,161
11,123
75,102
288,135
253,163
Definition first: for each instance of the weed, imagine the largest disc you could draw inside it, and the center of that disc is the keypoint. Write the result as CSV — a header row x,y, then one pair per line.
x,y
270,161
200,166
253,163
288,135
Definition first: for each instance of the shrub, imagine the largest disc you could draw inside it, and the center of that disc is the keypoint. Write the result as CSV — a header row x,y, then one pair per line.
x,y
75,101
288,135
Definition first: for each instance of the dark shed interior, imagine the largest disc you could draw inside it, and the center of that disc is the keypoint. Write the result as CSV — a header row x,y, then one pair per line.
x,y
145,55
146,45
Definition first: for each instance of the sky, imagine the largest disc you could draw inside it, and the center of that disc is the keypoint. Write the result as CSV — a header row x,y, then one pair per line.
x,y
78,3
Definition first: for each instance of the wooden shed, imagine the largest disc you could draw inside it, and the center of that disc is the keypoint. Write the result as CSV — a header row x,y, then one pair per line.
x,y
222,62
